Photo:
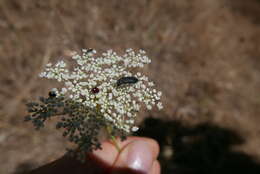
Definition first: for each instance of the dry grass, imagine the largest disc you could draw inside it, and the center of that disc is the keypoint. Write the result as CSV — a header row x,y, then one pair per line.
x,y
205,58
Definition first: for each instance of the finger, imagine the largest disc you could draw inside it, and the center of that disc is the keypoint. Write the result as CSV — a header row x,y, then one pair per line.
x,y
151,142
156,168
139,154
107,154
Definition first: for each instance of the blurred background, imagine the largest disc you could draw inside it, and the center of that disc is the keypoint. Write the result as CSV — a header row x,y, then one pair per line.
x,y
205,59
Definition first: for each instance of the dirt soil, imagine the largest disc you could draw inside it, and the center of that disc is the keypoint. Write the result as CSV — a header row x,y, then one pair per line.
x,y
205,59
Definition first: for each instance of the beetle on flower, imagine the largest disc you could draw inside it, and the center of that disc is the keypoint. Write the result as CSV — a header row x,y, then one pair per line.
x,y
98,84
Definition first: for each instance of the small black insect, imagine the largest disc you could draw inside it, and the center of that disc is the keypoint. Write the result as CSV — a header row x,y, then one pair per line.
x,y
126,80
90,50
52,94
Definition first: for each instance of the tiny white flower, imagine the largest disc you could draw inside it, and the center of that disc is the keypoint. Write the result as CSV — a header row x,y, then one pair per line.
x,y
95,79
134,129
48,65
63,90
159,105
149,107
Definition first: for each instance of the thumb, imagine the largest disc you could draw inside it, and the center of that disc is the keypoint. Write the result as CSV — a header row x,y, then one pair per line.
x,y
139,155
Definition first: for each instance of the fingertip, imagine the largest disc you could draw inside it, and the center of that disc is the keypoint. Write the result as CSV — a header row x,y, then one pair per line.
x,y
153,144
138,155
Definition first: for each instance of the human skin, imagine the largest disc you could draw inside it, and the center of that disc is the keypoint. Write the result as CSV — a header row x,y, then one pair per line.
x,y
138,155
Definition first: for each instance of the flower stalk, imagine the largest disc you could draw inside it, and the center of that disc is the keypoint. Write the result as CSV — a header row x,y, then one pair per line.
x,y
113,139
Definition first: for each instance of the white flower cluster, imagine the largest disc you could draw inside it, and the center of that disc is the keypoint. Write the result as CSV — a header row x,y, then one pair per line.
x,y
94,83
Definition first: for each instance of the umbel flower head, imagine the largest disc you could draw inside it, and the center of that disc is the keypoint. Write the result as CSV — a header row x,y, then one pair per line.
x,y
101,90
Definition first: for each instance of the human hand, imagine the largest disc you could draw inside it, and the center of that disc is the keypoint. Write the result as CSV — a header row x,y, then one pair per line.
x,y
137,156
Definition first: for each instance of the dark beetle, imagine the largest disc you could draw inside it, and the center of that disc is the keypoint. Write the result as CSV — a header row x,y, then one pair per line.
x,y
126,80
90,50
52,94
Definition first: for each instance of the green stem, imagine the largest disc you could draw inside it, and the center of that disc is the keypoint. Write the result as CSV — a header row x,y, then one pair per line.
x,y
113,139
115,143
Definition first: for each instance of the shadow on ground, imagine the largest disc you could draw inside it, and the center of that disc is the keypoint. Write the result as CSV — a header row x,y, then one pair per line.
x,y
203,149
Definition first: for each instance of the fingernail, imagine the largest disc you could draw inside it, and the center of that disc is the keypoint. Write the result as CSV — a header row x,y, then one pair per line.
x,y
139,156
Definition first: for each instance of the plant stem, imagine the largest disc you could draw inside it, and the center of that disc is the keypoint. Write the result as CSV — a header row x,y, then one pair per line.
x,y
115,143
113,139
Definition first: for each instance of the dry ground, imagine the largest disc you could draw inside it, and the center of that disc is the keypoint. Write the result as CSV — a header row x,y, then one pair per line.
x,y
206,60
